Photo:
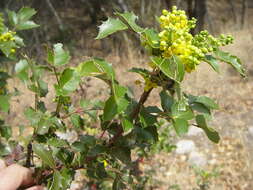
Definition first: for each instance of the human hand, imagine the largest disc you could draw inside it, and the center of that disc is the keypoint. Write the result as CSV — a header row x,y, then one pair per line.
x,y
15,176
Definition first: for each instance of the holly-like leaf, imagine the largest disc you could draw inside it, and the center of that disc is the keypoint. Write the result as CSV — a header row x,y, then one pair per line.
x,y
150,36
109,27
181,125
143,72
68,82
172,68
56,183
60,56
44,154
25,13
181,110
131,18
208,102
127,125
166,101
27,25
211,133
13,18
232,60
213,62
113,107
21,19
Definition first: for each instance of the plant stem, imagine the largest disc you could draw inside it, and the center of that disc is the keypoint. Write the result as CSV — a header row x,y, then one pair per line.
x,y
142,100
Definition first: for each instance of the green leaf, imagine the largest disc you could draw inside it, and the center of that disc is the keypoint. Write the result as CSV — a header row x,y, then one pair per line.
x,y
200,108
13,18
19,41
97,68
113,107
21,69
96,150
172,68
77,121
5,131
4,103
147,119
122,153
131,18
68,82
61,57
43,88
127,125
27,25
181,125
109,27
213,62
150,36
56,183
110,109
25,13
32,116
211,133
166,101
232,60
56,142
152,130
208,102
44,154
181,110
143,72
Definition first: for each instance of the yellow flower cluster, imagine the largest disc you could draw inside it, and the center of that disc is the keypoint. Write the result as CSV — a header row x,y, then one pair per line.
x,y
175,38
7,36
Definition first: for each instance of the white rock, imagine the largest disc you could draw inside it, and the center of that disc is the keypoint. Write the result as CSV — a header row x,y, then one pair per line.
x,y
194,131
70,136
185,146
251,130
197,159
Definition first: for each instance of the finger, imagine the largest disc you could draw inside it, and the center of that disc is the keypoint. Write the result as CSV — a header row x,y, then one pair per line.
x,y
36,188
2,165
15,176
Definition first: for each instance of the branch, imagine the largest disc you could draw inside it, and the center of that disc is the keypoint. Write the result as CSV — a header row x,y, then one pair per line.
x,y
142,100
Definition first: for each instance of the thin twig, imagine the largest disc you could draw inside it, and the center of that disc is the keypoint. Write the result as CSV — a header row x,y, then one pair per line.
x,y
142,100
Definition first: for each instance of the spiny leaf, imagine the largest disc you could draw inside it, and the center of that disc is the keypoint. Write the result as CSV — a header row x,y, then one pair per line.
x,y
44,155
109,27
213,62
211,133
131,18
172,68
232,60
61,57
56,183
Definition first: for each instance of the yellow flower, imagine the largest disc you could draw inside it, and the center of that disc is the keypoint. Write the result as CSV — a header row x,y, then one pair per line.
x,y
105,163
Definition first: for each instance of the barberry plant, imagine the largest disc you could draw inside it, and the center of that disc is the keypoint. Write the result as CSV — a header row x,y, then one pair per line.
x,y
106,140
